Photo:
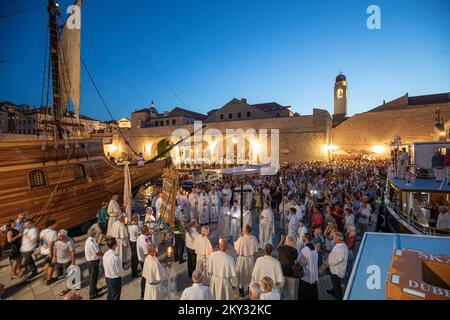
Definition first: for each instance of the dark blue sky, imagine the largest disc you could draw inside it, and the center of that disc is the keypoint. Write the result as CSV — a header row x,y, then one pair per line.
x,y
288,51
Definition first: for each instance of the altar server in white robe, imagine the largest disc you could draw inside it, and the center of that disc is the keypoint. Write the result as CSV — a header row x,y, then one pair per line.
x,y
215,203
294,224
248,196
120,232
268,266
247,217
158,205
203,250
266,226
113,212
222,271
246,247
155,275
302,230
203,207
226,194
308,258
198,291
235,227
224,221
193,203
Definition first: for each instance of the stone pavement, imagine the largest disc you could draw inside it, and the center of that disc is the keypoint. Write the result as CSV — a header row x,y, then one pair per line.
x,y
36,289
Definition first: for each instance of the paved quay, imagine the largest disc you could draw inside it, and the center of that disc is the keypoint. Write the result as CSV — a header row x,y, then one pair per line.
x,y
36,289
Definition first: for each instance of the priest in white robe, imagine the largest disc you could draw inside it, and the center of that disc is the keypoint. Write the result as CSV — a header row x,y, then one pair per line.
x,y
247,217
222,272
235,227
268,266
193,203
246,247
155,277
248,196
224,221
227,194
203,207
203,250
266,226
120,233
215,203
302,230
198,291
113,212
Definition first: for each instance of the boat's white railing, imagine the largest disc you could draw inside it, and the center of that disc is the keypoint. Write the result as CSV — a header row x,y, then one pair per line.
x,y
427,230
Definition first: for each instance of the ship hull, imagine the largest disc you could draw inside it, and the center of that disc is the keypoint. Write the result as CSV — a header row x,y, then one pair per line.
x,y
69,199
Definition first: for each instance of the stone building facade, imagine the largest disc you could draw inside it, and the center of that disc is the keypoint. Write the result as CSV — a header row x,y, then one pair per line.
x,y
411,118
301,138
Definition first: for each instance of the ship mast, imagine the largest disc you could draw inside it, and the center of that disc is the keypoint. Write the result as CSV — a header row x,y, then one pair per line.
x,y
53,14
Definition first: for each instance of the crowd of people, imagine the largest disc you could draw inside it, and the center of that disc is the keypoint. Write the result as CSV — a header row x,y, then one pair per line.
x,y
296,226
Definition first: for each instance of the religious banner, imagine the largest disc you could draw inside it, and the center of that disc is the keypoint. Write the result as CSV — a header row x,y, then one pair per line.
x,y
169,191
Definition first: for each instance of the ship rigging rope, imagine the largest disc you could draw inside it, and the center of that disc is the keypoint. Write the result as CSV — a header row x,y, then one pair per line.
x,y
50,199
105,105
22,10
142,56
21,57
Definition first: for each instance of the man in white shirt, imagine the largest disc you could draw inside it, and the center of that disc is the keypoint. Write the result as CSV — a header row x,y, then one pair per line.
x,y
113,212
133,232
337,263
222,271
30,238
309,259
48,238
203,249
364,213
246,247
143,247
443,220
113,270
270,267
191,234
93,253
197,291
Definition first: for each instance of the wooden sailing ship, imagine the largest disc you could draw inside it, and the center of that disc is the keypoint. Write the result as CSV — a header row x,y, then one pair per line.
x,y
60,175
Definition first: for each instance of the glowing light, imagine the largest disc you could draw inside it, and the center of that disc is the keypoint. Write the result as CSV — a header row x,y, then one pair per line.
x,y
112,148
327,148
379,149
235,140
148,148
442,133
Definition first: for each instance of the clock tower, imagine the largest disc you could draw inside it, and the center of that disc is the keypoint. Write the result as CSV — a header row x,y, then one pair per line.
x,y
340,95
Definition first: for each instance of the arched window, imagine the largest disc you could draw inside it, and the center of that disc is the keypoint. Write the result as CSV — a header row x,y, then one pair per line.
x,y
79,171
37,178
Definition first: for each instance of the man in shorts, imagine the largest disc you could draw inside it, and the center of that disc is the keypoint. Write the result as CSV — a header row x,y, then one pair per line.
x,y
47,239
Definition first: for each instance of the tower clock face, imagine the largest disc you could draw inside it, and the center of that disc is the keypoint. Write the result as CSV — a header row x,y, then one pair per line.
x,y
339,93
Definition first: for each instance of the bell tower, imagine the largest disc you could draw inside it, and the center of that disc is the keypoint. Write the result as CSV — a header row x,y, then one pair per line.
x,y
340,95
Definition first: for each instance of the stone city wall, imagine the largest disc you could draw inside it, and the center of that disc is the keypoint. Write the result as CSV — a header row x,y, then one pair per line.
x,y
368,130
301,138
